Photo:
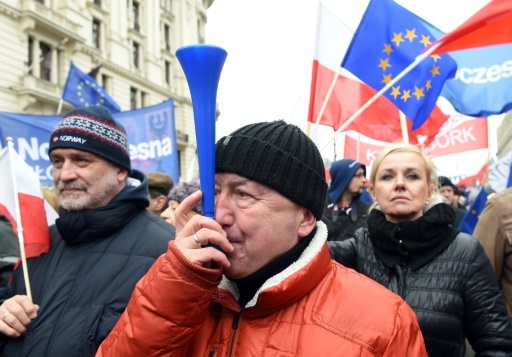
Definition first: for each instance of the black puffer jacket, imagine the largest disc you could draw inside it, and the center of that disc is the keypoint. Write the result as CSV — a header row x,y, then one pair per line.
x,y
453,291
84,282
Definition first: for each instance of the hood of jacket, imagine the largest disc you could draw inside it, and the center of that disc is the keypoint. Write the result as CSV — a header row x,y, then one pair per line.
x,y
342,172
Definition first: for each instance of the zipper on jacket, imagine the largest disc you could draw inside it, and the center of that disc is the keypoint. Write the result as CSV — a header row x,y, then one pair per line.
x,y
401,271
234,325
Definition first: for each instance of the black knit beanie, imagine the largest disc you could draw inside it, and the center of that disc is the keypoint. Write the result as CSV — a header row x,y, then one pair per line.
x,y
278,155
95,130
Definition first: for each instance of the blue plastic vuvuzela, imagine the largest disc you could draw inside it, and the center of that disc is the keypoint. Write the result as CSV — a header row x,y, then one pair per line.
x,y
202,65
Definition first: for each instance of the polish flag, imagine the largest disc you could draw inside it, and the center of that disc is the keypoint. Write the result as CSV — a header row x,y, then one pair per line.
x,y
381,120
492,25
28,206
475,180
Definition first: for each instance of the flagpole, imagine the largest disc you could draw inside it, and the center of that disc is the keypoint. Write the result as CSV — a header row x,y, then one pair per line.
x,y
21,239
358,146
403,126
59,108
327,97
409,68
331,88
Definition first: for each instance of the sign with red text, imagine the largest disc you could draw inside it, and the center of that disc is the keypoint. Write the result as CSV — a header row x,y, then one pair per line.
x,y
459,134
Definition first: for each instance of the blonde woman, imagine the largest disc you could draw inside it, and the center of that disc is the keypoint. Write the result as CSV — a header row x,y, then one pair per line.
x,y
411,248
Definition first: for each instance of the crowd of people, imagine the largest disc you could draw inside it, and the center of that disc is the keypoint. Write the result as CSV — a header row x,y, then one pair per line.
x,y
290,266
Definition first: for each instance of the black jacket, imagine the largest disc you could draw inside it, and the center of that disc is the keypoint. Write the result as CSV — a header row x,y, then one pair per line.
x,y
84,282
342,226
454,292
9,250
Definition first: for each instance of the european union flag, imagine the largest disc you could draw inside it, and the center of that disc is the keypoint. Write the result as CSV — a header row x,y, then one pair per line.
x,y
484,75
82,90
470,219
388,39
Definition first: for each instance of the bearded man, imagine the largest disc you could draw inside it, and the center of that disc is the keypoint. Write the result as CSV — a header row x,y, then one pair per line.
x,y
103,243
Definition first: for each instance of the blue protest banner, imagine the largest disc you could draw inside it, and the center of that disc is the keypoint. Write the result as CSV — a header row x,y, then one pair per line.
x,y
151,134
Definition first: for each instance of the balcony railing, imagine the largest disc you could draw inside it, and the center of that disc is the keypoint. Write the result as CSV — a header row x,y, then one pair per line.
x,y
47,16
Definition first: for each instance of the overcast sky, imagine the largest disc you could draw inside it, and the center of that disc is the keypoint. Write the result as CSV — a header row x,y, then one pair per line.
x,y
270,45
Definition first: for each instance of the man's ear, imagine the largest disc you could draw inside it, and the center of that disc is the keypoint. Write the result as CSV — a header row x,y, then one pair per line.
x,y
307,223
122,173
160,202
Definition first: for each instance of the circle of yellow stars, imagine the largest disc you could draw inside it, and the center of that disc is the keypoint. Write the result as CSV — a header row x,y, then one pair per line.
x,y
85,84
407,93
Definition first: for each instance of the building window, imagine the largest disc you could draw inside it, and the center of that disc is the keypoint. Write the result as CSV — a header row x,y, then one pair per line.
x,y
133,98
166,5
166,37
136,16
97,3
144,99
40,1
136,54
106,82
45,67
30,54
167,65
96,33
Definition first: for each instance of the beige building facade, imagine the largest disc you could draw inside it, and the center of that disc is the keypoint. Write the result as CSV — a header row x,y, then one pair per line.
x,y
504,133
131,43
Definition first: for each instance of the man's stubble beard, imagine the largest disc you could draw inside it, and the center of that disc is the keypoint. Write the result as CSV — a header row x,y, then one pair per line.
x,y
97,194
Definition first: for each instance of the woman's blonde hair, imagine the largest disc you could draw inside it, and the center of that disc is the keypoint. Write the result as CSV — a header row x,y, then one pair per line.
x,y
430,168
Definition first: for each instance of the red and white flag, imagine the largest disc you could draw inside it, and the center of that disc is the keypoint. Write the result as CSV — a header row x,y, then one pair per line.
x,y
492,25
475,180
25,209
381,120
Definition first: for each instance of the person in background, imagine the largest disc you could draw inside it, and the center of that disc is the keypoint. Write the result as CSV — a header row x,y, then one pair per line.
x,y
411,248
272,289
50,197
448,190
9,250
159,185
178,193
345,212
494,232
103,243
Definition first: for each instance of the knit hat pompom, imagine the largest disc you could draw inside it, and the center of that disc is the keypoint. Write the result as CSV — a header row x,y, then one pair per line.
x,y
93,129
278,155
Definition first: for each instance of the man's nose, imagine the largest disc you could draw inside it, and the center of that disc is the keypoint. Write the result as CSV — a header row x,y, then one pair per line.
x,y
68,171
223,209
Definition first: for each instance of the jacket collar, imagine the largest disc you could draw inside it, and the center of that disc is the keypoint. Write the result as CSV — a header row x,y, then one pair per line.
x,y
292,283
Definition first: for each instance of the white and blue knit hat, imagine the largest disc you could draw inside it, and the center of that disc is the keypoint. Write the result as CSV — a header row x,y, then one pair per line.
x,y
93,129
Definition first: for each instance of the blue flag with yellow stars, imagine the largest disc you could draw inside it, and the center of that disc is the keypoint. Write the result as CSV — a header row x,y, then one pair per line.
x,y
387,40
470,219
82,90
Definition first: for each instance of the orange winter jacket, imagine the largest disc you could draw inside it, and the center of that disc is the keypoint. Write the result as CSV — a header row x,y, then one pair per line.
x,y
315,307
